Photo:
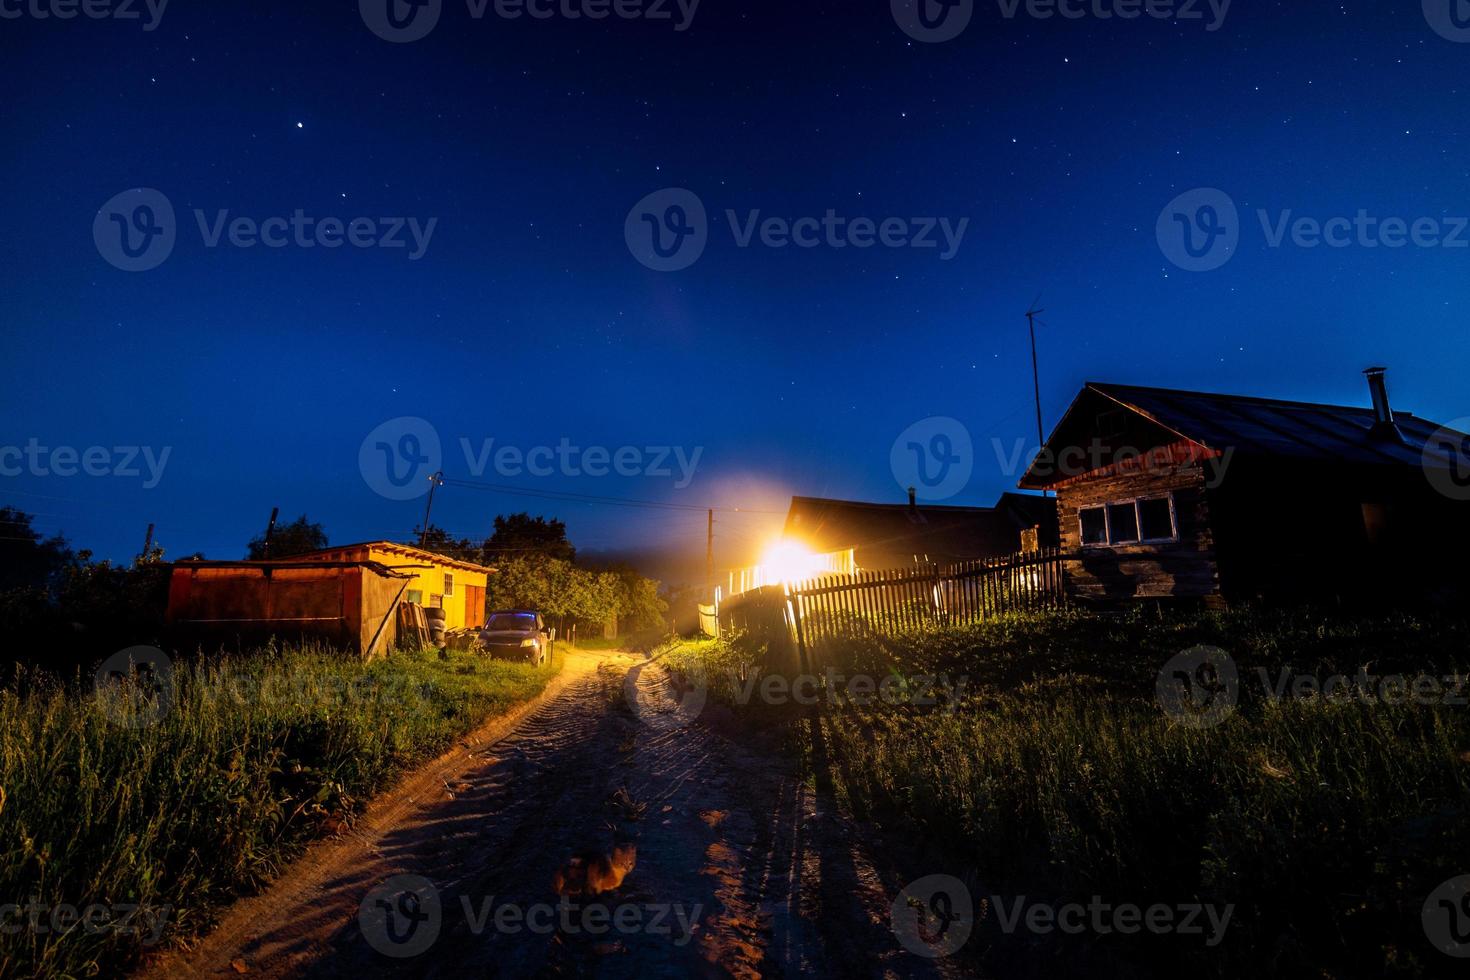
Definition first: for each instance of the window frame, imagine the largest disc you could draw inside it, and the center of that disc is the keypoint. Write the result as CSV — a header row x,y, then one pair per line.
x,y
1137,518
449,583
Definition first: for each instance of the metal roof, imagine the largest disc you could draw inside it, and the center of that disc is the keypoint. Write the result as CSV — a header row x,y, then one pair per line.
x,y
1272,427
1268,427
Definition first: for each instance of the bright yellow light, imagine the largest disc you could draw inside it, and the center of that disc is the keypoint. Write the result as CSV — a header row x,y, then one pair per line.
x,y
787,561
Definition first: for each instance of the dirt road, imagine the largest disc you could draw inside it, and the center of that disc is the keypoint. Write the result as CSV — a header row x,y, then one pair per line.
x,y
739,871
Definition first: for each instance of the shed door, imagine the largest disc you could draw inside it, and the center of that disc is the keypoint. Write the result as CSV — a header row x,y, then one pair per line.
x,y
474,605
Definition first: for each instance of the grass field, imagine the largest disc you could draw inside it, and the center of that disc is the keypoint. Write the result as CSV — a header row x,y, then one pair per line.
x,y
1324,821
153,812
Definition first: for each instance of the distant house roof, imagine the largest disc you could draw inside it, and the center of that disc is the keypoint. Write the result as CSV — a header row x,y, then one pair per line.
x,y
392,548
1254,426
943,533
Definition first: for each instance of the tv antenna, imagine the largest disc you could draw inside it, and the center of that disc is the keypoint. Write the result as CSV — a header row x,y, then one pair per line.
x,y
1031,315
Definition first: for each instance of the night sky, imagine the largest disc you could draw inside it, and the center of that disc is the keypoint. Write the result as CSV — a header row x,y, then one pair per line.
x,y
527,318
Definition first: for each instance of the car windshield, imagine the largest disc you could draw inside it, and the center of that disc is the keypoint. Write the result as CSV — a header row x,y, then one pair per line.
x,y
511,621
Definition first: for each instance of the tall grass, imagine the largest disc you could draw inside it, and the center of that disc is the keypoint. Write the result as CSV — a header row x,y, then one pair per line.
x,y
1324,821
120,799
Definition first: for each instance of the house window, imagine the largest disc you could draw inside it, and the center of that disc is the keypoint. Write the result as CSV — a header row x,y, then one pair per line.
x,y
448,584
1129,522
1094,526
416,596
1156,519
1122,523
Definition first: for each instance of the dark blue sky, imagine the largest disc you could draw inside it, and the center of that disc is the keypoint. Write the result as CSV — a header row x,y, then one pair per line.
x,y
528,320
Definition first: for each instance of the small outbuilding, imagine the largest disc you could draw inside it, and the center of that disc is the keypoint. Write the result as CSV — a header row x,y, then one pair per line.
x,y
438,581
349,605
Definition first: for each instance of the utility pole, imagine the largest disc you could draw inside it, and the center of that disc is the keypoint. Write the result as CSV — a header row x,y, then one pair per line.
x,y
270,529
709,555
435,481
1031,316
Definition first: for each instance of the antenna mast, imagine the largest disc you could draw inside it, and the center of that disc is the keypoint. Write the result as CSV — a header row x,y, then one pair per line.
x,y
1031,316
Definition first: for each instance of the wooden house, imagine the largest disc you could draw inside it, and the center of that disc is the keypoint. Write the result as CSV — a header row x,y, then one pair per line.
x,y
1165,493
883,536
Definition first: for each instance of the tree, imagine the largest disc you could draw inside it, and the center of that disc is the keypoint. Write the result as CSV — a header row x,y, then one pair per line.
x,y
296,538
440,542
520,535
28,560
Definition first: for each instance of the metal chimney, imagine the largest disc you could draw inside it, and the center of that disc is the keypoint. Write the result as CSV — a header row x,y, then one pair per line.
x,y
913,501
1384,426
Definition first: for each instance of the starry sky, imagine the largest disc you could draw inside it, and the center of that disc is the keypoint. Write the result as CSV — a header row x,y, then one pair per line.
x,y
528,319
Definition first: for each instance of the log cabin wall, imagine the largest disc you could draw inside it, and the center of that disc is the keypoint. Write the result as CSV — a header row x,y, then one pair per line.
x,y
1183,568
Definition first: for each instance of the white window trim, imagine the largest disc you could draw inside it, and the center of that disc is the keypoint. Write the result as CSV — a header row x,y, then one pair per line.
x,y
1137,517
449,583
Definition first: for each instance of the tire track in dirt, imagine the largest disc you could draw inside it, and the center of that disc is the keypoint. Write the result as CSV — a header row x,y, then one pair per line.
x,y
771,882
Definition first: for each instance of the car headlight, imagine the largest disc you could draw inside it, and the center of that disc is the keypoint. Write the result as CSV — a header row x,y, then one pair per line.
x,y
528,642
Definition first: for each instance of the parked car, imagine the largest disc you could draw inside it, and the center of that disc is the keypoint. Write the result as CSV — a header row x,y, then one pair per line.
x,y
517,634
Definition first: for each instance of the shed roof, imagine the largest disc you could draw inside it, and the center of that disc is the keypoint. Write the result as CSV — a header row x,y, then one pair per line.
x,y
394,548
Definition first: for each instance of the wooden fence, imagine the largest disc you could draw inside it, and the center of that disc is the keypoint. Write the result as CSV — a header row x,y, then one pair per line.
x,y
806,615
